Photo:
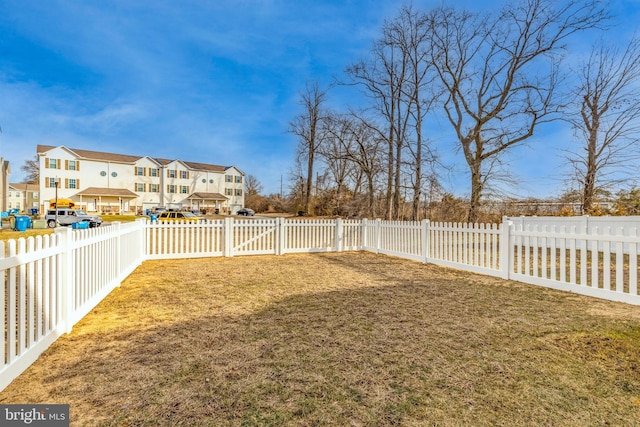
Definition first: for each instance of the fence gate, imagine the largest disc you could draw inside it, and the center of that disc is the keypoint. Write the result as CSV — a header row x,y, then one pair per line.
x,y
253,237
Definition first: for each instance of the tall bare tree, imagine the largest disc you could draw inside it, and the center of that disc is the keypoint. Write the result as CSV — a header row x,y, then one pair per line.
x,y
334,152
607,117
394,78
499,74
307,127
411,29
32,168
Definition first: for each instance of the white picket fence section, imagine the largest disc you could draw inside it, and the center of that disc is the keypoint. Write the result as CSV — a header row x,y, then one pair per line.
x,y
51,282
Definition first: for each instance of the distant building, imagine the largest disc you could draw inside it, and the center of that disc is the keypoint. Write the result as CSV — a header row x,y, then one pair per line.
x,y
5,170
24,197
118,183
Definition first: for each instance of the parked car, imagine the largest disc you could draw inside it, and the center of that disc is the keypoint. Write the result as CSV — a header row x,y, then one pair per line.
x,y
67,217
170,216
245,212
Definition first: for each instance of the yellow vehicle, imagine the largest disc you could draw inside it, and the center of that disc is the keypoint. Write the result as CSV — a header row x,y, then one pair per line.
x,y
61,203
179,217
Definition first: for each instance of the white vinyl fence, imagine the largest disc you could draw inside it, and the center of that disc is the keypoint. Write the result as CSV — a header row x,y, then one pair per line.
x,y
50,282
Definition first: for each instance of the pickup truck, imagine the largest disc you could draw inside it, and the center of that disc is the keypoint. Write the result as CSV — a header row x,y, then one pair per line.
x,y
66,216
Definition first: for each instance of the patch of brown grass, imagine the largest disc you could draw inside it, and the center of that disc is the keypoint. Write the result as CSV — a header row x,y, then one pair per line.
x,y
339,339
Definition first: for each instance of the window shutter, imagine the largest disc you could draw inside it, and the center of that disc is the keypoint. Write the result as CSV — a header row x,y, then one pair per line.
x,y
66,183
46,162
77,184
46,182
58,163
66,165
144,171
78,165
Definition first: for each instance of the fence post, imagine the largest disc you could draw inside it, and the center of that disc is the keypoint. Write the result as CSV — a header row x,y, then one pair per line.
x,y
339,235
280,233
377,236
506,251
144,238
117,225
363,235
425,240
228,237
67,286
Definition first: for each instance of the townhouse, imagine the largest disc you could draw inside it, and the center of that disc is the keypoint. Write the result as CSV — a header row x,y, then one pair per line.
x,y
24,196
109,183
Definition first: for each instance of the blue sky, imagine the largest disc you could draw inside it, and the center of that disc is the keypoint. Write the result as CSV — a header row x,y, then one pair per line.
x,y
207,81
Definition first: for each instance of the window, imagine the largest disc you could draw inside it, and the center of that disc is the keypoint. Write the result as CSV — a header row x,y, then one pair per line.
x,y
171,173
139,187
238,180
171,188
53,164
17,205
52,182
10,194
184,174
103,173
154,172
228,178
72,183
72,165
238,192
184,189
114,174
154,188
139,171
36,195
228,191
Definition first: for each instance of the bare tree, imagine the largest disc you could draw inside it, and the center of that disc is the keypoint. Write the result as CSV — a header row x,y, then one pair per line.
x,y
307,127
252,185
411,29
252,189
607,120
32,168
381,78
499,74
394,78
334,152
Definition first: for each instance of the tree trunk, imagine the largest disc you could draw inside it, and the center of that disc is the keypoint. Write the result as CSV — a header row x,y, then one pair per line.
x,y
309,185
476,191
588,193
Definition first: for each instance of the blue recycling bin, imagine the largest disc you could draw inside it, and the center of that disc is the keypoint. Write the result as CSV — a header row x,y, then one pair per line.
x,y
22,222
153,217
80,225
34,211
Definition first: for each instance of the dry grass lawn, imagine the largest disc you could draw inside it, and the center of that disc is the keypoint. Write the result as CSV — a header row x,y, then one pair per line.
x,y
350,339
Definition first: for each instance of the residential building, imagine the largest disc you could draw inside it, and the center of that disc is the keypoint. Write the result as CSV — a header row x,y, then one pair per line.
x,y
23,196
109,183
5,170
